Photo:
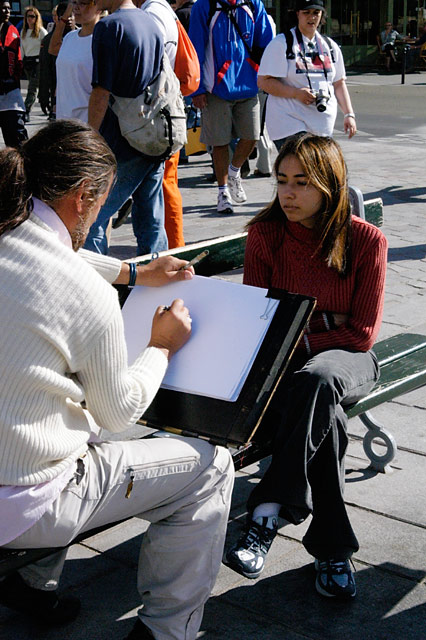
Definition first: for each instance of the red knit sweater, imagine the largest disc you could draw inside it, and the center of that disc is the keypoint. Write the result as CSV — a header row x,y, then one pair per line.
x,y
283,258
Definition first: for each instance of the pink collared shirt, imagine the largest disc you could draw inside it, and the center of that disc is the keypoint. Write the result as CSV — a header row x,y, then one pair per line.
x,y
22,507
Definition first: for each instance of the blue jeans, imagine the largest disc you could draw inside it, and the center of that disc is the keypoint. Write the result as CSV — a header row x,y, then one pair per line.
x,y
142,179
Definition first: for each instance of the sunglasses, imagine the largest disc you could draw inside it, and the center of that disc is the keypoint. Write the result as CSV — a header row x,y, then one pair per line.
x,y
30,15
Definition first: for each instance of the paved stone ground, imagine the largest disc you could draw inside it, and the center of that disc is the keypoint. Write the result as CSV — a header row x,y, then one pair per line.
x,y
388,511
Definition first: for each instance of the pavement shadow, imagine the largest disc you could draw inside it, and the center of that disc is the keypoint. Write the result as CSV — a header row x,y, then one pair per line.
x,y
108,594
358,475
287,606
395,193
123,251
413,252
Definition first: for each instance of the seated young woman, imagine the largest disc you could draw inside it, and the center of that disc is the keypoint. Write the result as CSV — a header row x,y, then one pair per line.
x,y
308,242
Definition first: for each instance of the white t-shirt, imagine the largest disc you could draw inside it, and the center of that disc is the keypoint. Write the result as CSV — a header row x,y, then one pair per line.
x,y
165,17
286,116
74,66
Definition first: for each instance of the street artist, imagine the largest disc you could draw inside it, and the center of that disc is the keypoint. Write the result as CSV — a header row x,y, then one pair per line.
x,y
62,343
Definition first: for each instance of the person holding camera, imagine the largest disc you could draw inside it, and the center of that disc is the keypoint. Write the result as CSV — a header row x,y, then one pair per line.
x,y
304,74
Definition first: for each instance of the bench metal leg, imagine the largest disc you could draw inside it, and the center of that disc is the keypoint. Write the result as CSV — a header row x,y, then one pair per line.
x,y
376,431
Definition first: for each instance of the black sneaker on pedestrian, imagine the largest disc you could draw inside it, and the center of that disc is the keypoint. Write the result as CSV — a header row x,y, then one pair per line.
x,y
335,579
248,556
245,169
139,632
44,606
123,214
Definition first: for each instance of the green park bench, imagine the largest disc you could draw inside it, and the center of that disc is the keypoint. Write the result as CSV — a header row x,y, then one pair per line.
x,y
402,358
402,361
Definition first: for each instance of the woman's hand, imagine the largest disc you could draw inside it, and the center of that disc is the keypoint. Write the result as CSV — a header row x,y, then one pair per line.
x,y
304,95
349,126
340,318
171,328
68,16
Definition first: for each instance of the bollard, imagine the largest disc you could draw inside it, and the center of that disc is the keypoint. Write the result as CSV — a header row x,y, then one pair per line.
x,y
405,49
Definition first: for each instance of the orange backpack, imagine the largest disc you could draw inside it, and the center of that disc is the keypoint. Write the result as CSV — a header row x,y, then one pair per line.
x,y
187,66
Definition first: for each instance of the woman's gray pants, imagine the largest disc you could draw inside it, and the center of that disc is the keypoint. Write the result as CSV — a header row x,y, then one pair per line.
x,y
306,474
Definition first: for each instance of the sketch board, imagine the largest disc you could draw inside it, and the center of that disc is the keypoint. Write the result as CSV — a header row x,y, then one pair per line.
x,y
220,383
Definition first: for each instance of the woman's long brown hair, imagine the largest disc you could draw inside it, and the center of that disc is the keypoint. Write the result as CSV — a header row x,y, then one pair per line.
x,y
37,24
324,167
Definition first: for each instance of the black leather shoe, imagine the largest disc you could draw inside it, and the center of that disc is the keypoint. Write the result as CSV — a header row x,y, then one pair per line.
x,y
123,214
44,606
139,632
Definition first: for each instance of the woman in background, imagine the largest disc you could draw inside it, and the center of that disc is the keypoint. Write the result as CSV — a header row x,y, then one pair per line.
x,y
32,34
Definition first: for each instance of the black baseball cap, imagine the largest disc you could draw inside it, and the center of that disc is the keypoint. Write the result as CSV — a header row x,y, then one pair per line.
x,y
310,4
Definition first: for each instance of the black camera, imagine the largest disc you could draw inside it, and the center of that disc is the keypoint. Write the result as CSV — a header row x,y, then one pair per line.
x,y
321,99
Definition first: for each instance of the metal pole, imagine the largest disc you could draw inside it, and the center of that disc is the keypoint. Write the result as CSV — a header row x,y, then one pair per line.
x,y
404,62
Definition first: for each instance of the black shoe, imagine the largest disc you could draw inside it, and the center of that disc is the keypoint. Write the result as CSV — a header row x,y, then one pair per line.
x,y
260,174
123,214
139,632
248,555
44,606
51,116
335,579
245,169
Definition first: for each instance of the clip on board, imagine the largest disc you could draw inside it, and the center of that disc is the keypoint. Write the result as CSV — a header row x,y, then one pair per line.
x,y
234,423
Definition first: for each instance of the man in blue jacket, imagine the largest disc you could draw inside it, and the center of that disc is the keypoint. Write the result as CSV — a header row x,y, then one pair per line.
x,y
229,36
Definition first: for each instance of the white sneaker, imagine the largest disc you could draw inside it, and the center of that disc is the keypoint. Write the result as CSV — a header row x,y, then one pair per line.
x,y
224,202
235,186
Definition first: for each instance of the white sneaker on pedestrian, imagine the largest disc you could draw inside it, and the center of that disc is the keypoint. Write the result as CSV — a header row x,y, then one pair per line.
x,y
235,186
224,202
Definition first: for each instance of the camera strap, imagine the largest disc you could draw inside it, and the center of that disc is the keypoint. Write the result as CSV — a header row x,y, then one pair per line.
x,y
320,55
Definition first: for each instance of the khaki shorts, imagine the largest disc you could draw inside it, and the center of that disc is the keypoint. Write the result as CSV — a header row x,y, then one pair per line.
x,y
222,120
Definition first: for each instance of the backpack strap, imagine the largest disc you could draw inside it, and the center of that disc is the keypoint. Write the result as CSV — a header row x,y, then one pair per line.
x,y
218,5
330,46
289,40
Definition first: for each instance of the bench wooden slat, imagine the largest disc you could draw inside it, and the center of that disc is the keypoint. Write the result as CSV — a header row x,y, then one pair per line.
x,y
226,254
398,346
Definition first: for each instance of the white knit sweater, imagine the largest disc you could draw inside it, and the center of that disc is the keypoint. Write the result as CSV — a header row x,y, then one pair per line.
x,y
61,342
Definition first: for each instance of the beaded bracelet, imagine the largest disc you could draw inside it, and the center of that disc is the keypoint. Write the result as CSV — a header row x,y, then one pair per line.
x,y
133,274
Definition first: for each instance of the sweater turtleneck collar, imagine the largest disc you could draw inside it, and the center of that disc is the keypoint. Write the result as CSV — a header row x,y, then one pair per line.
x,y
300,232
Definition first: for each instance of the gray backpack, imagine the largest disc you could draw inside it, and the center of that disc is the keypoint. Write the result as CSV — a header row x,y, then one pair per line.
x,y
154,123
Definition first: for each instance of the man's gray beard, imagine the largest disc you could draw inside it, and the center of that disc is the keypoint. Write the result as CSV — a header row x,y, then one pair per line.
x,y
80,233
